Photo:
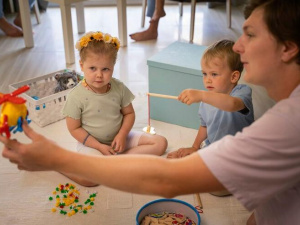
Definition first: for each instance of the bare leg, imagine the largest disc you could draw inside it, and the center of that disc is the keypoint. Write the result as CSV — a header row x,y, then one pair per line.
x,y
152,32
159,10
10,29
18,21
150,144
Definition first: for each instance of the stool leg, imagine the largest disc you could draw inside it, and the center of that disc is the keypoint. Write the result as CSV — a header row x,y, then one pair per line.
x,y
228,12
37,12
180,8
11,5
80,17
192,26
144,6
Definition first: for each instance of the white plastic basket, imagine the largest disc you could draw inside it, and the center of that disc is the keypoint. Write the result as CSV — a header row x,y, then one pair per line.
x,y
47,107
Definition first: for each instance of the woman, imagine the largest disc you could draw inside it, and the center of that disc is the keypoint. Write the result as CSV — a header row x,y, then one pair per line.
x,y
259,166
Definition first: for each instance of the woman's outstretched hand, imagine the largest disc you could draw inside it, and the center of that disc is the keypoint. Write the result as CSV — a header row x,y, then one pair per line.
x,y
40,154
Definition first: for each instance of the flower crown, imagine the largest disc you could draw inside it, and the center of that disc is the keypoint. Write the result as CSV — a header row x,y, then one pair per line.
x,y
99,36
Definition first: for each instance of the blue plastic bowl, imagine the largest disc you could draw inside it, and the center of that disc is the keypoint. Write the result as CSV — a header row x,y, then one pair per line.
x,y
168,205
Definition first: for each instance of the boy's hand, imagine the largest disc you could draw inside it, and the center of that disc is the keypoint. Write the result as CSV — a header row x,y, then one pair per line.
x,y
190,96
182,152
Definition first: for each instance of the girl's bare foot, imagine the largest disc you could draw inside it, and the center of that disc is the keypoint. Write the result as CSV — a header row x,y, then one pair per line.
x,y
10,29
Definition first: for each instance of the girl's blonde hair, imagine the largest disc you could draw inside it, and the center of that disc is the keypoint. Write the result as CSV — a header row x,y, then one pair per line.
x,y
223,50
98,43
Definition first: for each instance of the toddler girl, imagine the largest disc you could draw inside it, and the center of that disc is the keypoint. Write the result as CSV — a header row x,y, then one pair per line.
x,y
99,111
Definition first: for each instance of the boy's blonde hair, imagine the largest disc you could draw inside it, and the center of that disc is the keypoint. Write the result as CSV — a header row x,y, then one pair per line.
x,y
223,50
98,43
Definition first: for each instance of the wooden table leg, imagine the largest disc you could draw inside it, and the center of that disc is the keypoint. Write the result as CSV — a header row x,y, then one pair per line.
x,y
122,22
26,23
80,17
67,32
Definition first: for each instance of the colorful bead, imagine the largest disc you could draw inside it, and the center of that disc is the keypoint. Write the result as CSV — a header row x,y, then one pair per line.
x,y
69,196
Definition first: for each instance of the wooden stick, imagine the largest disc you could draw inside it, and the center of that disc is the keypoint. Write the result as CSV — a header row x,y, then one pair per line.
x,y
199,200
148,129
162,96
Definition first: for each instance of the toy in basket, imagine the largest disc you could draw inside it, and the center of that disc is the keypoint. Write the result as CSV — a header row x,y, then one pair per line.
x,y
43,101
13,111
66,80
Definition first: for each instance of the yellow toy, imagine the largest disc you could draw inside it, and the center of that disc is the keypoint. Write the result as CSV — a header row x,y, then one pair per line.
x,y
13,111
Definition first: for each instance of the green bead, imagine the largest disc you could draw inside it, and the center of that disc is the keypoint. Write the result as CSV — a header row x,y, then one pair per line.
x,y
50,198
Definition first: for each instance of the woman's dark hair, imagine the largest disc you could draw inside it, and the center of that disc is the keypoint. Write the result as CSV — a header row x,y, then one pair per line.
x,y
282,18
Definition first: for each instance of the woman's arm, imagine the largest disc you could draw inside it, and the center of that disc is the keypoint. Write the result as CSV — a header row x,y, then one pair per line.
x,y
135,173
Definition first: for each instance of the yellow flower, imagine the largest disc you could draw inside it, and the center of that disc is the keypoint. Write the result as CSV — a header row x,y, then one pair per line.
x,y
98,36
107,38
116,42
84,41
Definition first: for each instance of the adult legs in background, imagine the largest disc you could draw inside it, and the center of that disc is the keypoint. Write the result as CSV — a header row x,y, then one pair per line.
x,y
155,10
12,30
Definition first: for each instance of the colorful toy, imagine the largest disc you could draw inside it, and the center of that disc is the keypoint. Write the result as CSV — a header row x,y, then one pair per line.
x,y
67,200
167,218
13,111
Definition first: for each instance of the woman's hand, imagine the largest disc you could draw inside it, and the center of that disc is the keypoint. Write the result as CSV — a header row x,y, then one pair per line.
x,y
40,154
